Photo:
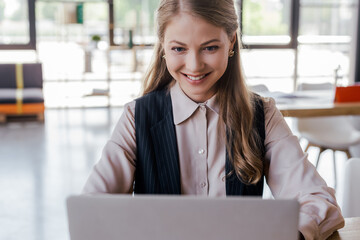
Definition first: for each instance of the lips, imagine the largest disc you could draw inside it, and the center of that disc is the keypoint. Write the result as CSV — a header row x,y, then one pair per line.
x,y
197,77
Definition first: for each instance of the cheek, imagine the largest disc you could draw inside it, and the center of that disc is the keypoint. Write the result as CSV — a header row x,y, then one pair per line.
x,y
173,63
219,62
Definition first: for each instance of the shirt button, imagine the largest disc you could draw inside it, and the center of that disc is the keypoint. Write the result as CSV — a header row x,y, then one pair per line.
x,y
203,184
201,151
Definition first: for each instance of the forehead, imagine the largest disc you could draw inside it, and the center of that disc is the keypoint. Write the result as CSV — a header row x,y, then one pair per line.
x,y
187,28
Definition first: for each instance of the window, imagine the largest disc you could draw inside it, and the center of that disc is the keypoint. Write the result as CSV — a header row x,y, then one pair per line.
x,y
318,36
17,24
133,22
326,31
266,22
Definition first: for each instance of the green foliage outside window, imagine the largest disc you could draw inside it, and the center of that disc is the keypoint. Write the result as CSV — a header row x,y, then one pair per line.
x,y
258,21
135,13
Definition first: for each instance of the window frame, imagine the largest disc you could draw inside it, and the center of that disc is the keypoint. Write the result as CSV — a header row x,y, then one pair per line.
x,y
112,43
31,45
357,54
294,29
294,43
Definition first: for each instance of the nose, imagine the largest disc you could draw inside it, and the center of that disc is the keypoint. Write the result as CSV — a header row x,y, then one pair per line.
x,y
194,62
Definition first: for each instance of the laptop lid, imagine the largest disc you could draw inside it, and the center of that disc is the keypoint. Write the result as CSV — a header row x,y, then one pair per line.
x,y
110,217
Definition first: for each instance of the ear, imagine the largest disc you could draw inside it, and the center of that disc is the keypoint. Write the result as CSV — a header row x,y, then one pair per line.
x,y
233,40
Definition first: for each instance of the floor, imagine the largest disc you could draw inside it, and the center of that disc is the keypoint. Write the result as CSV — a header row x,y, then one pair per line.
x,y
43,163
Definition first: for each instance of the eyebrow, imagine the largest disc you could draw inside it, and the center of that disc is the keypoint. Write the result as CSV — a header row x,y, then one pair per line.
x,y
205,43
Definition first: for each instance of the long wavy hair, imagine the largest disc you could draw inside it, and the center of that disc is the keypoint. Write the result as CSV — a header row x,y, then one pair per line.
x,y
236,102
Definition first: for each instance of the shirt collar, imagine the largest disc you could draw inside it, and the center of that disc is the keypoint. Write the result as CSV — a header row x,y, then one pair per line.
x,y
213,104
184,107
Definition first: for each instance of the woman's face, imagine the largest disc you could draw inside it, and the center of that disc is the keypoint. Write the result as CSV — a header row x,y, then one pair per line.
x,y
196,54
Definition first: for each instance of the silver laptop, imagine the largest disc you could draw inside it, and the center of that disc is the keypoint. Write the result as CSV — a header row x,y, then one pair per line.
x,y
110,217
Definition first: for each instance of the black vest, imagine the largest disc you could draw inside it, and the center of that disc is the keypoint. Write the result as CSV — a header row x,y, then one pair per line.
x,y
157,163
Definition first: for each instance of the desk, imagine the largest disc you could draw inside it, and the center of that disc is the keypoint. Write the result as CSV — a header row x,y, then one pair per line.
x,y
312,104
351,231
319,110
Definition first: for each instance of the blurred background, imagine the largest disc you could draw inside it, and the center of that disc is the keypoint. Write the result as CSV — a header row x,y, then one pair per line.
x,y
94,54
107,45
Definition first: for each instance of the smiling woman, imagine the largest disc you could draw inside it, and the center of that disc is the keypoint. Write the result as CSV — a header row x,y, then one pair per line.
x,y
198,130
196,54
185,30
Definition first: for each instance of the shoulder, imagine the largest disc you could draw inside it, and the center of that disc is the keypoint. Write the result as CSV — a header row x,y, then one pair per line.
x,y
269,103
265,107
127,116
258,103
268,113
275,124
156,100
152,107
129,108
270,109
153,96
125,127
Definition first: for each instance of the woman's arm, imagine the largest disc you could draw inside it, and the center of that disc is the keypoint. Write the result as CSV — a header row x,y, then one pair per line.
x,y
114,173
291,175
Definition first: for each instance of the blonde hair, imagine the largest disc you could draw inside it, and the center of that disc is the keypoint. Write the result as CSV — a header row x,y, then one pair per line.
x,y
236,103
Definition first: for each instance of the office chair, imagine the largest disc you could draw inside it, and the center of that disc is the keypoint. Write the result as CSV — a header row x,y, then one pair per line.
x,y
259,88
351,191
355,150
334,133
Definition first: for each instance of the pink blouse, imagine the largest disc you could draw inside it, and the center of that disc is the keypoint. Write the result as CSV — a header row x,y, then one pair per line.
x,y
202,162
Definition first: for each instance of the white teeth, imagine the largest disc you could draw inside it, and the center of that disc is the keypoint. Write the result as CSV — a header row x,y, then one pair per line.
x,y
195,78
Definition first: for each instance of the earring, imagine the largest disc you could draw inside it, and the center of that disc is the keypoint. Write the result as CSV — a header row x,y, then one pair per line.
x,y
231,53
163,56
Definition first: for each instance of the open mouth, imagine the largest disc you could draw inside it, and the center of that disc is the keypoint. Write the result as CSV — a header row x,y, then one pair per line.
x,y
196,78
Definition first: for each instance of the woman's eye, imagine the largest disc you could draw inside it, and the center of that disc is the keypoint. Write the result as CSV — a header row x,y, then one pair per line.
x,y
211,48
178,49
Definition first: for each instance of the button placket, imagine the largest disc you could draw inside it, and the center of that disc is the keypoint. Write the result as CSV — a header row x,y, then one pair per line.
x,y
201,151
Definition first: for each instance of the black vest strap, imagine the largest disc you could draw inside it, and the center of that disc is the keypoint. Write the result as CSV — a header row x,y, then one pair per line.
x,y
166,154
157,166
